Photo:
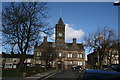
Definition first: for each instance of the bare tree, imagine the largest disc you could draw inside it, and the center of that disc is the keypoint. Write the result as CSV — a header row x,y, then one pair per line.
x,y
22,23
48,56
100,41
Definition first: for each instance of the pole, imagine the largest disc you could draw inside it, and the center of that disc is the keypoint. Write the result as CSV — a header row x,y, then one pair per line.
x,y
117,3
119,35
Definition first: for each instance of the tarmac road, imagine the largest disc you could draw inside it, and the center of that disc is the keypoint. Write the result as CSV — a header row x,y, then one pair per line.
x,y
65,75
56,75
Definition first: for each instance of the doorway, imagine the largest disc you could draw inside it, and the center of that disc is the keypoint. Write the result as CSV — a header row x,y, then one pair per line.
x,y
59,63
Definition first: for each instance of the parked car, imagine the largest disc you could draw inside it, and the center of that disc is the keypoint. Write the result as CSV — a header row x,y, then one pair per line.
x,y
105,67
115,67
94,74
76,68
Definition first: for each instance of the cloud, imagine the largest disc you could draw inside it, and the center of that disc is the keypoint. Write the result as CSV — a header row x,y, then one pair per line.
x,y
53,36
71,33
42,34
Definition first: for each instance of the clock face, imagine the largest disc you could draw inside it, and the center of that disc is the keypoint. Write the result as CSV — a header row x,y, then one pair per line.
x,y
60,34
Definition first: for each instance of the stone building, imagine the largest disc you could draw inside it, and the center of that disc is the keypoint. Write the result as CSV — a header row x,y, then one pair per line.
x,y
92,59
69,54
110,57
12,60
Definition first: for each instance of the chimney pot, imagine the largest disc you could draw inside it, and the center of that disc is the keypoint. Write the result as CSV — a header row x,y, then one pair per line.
x,y
74,40
45,39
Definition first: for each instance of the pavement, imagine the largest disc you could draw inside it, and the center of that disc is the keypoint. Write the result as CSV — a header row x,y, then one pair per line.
x,y
88,74
42,75
34,77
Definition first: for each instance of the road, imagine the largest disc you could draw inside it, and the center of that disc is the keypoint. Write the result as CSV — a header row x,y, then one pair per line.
x,y
65,75
89,74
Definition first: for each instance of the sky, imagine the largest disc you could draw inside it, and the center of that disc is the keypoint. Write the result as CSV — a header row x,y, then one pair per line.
x,y
82,18
59,0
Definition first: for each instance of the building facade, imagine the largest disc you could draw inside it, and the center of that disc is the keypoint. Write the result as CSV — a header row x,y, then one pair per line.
x,y
68,54
92,59
12,60
110,57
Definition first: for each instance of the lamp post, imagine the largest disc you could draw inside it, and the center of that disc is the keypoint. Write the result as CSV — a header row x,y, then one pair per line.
x,y
117,3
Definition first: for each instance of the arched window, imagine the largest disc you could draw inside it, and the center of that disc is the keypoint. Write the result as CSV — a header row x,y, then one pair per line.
x,y
60,54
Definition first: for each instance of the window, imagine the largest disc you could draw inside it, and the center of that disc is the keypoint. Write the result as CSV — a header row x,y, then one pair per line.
x,y
38,61
79,55
38,53
28,60
116,56
113,55
69,55
80,63
117,61
69,62
60,54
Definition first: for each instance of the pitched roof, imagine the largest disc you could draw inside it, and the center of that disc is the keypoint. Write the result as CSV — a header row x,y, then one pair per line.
x,y
15,55
60,21
68,46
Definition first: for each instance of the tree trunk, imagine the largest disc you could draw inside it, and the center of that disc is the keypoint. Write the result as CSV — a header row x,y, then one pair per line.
x,y
110,61
21,63
47,64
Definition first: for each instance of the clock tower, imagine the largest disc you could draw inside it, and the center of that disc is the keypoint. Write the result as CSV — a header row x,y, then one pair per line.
x,y
60,32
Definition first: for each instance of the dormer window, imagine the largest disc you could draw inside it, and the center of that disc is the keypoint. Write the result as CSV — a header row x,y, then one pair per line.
x,y
38,53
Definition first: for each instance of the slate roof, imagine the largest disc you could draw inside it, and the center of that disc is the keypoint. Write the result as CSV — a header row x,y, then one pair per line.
x,y
4,55
68,46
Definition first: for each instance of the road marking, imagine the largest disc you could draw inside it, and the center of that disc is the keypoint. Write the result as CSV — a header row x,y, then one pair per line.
x,y
32,77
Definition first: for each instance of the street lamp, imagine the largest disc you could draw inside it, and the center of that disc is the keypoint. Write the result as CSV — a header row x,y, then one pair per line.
x,y
117,3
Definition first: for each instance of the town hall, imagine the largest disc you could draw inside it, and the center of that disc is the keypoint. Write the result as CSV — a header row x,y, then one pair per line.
x,y
68,54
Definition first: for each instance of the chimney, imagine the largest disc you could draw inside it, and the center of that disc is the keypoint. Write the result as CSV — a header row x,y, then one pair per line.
x,y
74,40
45,39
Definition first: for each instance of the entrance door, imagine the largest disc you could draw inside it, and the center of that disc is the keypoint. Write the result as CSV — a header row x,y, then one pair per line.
x,y
59,65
